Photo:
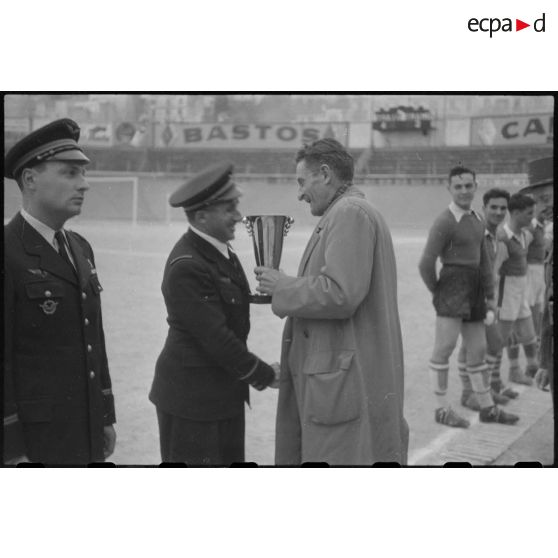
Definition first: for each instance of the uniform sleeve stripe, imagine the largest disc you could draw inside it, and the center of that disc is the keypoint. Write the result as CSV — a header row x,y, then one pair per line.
x,y
251,372
107,391
11,419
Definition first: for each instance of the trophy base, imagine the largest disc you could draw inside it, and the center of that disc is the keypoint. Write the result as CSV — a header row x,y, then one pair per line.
x,y
259,299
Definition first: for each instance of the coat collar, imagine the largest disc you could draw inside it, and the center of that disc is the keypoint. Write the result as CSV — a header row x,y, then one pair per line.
x,y
210,253
350,192
221,247
459,212
49,260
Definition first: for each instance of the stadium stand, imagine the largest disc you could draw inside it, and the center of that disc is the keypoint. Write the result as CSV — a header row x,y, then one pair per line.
x,y
431,161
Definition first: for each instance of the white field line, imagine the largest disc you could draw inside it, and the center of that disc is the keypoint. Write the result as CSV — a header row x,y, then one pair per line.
x,y
440,441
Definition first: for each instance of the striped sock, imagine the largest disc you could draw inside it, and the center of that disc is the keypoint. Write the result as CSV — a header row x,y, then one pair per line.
x,y
494,362
464,377
481,391
439,378
513,354
531,354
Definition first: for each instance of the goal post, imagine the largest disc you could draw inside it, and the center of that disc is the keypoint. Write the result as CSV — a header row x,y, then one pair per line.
x,y
112,197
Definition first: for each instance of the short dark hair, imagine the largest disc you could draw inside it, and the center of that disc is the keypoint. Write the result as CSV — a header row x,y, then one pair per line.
x,y
17,177
458,171
328,152
495,193
519,202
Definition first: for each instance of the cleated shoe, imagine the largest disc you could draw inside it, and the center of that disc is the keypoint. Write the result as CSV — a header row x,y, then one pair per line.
x,y
447,416
497,415
510,393
499,398
518,377
469,400
499,387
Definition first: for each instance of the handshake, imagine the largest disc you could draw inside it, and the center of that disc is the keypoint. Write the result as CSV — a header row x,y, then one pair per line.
x,y
277,370
262,377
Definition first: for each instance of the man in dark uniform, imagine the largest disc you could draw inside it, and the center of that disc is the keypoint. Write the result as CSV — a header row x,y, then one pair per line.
x,y
58,404
204,370
541,188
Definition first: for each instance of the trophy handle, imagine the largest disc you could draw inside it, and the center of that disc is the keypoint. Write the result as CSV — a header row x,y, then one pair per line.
x,y
249,225
288,222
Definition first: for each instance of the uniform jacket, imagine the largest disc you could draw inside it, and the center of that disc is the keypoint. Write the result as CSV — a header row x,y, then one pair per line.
x,y
341,387
547,328
57,388
204,368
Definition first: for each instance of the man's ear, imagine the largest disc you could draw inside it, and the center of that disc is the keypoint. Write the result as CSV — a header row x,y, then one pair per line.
x,y
200,216
325,170
28,179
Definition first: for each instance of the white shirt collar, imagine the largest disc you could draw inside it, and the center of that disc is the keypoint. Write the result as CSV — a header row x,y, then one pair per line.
x,y
489,234
510,234
221,246
44,230
458,212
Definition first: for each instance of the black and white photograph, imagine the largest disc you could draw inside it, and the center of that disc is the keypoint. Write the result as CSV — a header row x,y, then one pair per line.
x,y
278,279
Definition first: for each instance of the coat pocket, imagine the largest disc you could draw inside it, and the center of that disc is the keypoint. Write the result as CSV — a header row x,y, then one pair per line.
x,y
44,290
332,395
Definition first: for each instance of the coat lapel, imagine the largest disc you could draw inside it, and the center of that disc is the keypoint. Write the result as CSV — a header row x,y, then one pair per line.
x,y
50,260
308,250
352,191
225,266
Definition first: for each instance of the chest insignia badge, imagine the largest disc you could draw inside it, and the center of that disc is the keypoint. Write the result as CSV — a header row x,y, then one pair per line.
x,y
38,272
49,307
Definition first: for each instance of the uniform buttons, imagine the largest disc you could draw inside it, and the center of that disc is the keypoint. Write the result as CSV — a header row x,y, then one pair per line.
x,y
83,296
92,374
48,293
89,348
86,321
233,300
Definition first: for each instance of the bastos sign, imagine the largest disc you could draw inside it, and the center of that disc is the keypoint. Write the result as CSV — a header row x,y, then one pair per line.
x,y
512,130
247,136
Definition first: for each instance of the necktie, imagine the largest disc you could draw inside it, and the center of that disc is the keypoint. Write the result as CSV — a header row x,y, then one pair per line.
x,y
234,260
63,249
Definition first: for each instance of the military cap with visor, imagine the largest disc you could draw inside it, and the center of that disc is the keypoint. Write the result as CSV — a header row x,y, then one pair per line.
x,y
57,141
540,173
212,185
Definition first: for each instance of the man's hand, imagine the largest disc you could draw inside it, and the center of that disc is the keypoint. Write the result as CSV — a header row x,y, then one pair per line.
x,y
267,278
542,379
109,435
277,370
17,460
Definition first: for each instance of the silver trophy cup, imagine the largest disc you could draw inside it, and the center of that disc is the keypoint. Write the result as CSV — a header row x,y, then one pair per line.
x,y
267,232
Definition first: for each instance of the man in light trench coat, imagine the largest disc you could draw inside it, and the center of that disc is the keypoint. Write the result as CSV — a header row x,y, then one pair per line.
x,y
341,384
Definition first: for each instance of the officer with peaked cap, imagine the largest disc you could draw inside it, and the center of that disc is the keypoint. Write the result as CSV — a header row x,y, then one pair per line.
x,y
58,404
541,188
204,370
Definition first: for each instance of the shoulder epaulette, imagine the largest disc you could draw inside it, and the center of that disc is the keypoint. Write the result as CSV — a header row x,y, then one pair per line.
x,y
186,257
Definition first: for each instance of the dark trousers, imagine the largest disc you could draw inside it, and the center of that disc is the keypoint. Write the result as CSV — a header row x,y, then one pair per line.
x,y
194,442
